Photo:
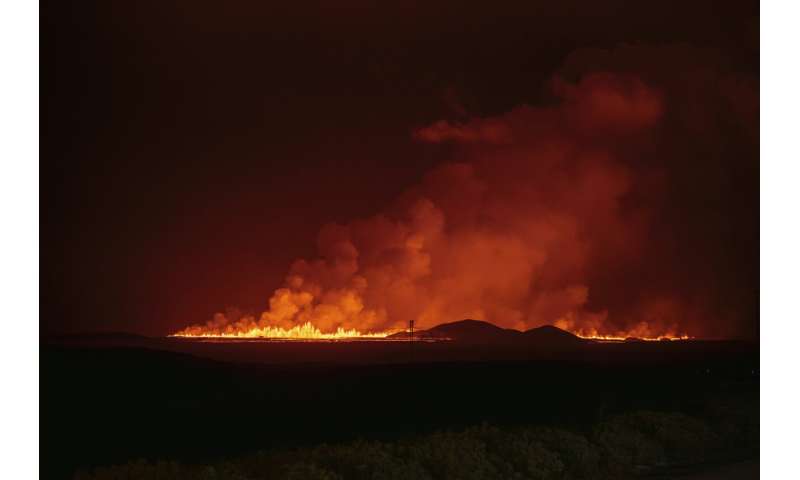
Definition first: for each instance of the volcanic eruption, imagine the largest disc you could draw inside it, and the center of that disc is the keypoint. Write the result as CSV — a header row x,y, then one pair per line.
x,y
543,215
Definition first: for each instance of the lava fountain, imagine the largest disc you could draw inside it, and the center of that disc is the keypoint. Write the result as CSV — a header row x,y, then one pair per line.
x,y
306,331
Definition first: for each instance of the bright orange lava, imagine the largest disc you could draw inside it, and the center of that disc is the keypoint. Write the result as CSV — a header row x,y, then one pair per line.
x,y
306,331
612,338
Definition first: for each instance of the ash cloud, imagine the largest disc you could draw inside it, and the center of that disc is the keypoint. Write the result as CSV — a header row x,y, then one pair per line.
x,y
621,206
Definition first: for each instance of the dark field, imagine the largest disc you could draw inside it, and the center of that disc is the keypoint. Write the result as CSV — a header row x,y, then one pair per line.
x,y
111,400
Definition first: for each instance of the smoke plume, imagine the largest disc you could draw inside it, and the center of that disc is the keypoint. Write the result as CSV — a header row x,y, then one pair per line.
x,y
590,211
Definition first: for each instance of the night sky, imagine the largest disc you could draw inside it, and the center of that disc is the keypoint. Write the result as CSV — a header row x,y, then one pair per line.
x,y
191,151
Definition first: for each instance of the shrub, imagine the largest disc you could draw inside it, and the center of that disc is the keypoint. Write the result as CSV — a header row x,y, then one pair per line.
x,y
625,447
616,447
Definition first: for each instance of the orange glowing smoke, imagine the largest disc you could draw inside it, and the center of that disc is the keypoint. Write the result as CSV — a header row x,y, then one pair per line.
x,y
520,229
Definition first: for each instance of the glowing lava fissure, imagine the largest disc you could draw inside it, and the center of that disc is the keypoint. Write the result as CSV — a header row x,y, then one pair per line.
x,y
306,331
613,338
309,332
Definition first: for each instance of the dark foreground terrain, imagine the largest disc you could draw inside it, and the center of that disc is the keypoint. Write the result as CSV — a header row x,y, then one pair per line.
x,y
168,408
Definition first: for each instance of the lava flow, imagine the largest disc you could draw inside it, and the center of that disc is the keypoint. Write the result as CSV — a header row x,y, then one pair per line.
x,y
306,331
613,338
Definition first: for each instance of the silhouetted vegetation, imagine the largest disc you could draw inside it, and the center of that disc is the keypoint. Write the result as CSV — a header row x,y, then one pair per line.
x,y
108,406
618,447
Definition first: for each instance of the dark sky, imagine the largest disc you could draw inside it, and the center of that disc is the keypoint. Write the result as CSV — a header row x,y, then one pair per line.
x,y
192,150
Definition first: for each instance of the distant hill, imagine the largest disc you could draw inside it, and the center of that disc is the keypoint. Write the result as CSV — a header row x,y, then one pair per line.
x,y
480,332
549,335
474,331
470,331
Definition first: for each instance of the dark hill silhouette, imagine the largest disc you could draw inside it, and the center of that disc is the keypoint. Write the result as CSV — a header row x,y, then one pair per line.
x,y
480,332
549,335
473,331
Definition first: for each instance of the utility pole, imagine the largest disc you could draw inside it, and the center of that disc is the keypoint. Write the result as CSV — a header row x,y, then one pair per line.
x,y
411,331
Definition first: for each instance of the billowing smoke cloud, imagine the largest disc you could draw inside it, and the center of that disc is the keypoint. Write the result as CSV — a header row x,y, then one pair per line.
x,y
586,213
